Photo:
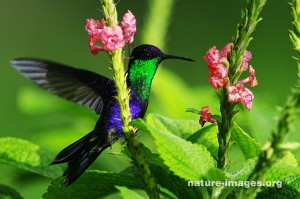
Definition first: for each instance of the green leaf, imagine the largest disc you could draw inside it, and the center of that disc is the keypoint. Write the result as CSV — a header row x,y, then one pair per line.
x,y
128,194
281,169
278,171
193,110
284,192
217,117
175,184
27,156
216,174
7,192
152,157
167,193
290,158
260,120
207,136
293,180
166,178
286,166
240,175
139,123
92,184
187,160
245,171
248,145
180,128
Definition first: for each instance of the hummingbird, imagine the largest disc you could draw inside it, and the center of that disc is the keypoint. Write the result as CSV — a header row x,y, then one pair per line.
x,y
97,93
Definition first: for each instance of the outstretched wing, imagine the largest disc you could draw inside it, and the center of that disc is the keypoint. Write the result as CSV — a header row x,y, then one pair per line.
x,y
80,86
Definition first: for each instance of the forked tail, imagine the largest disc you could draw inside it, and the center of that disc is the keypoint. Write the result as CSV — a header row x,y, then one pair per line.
x,y
80,155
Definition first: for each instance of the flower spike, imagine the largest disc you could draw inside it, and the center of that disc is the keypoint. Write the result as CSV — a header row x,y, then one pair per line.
x,y
112,38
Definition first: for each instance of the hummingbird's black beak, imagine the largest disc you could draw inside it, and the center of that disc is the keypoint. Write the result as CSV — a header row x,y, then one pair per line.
x,y
177,57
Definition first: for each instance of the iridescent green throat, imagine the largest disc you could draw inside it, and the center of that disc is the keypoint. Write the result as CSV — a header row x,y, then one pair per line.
x,y
141,74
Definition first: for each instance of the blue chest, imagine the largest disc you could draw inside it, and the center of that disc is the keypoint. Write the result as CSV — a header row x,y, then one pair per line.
x,y
113,120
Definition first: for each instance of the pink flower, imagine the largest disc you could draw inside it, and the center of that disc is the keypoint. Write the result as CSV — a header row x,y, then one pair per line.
x,y
112,38
94,27
205,116
251,79
233,94
240,94
217,82
213,56
218,70
129,27
247,97
225,50
95,48
247,57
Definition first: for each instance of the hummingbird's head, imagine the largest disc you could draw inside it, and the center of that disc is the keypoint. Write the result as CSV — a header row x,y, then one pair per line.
x,y
142,67
148,52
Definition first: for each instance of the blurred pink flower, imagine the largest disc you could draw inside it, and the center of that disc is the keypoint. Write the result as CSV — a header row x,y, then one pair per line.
x,y
213,56
128,26
240,94
112,38
205,116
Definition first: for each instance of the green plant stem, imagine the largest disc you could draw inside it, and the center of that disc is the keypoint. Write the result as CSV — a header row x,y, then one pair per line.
x,y
224,135
295,33
276,149
142,165
250,18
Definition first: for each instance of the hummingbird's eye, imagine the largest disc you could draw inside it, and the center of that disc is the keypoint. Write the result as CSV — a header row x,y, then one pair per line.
x,y
147,56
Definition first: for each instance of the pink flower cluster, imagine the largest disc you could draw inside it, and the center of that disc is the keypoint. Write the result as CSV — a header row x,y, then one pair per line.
x,y
247,56
112,38
219,72
205,116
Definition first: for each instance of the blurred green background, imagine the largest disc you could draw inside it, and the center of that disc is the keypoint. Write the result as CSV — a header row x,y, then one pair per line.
x,y
54,30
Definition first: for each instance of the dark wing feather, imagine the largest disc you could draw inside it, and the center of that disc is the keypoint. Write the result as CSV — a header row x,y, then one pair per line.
x,y
80,86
